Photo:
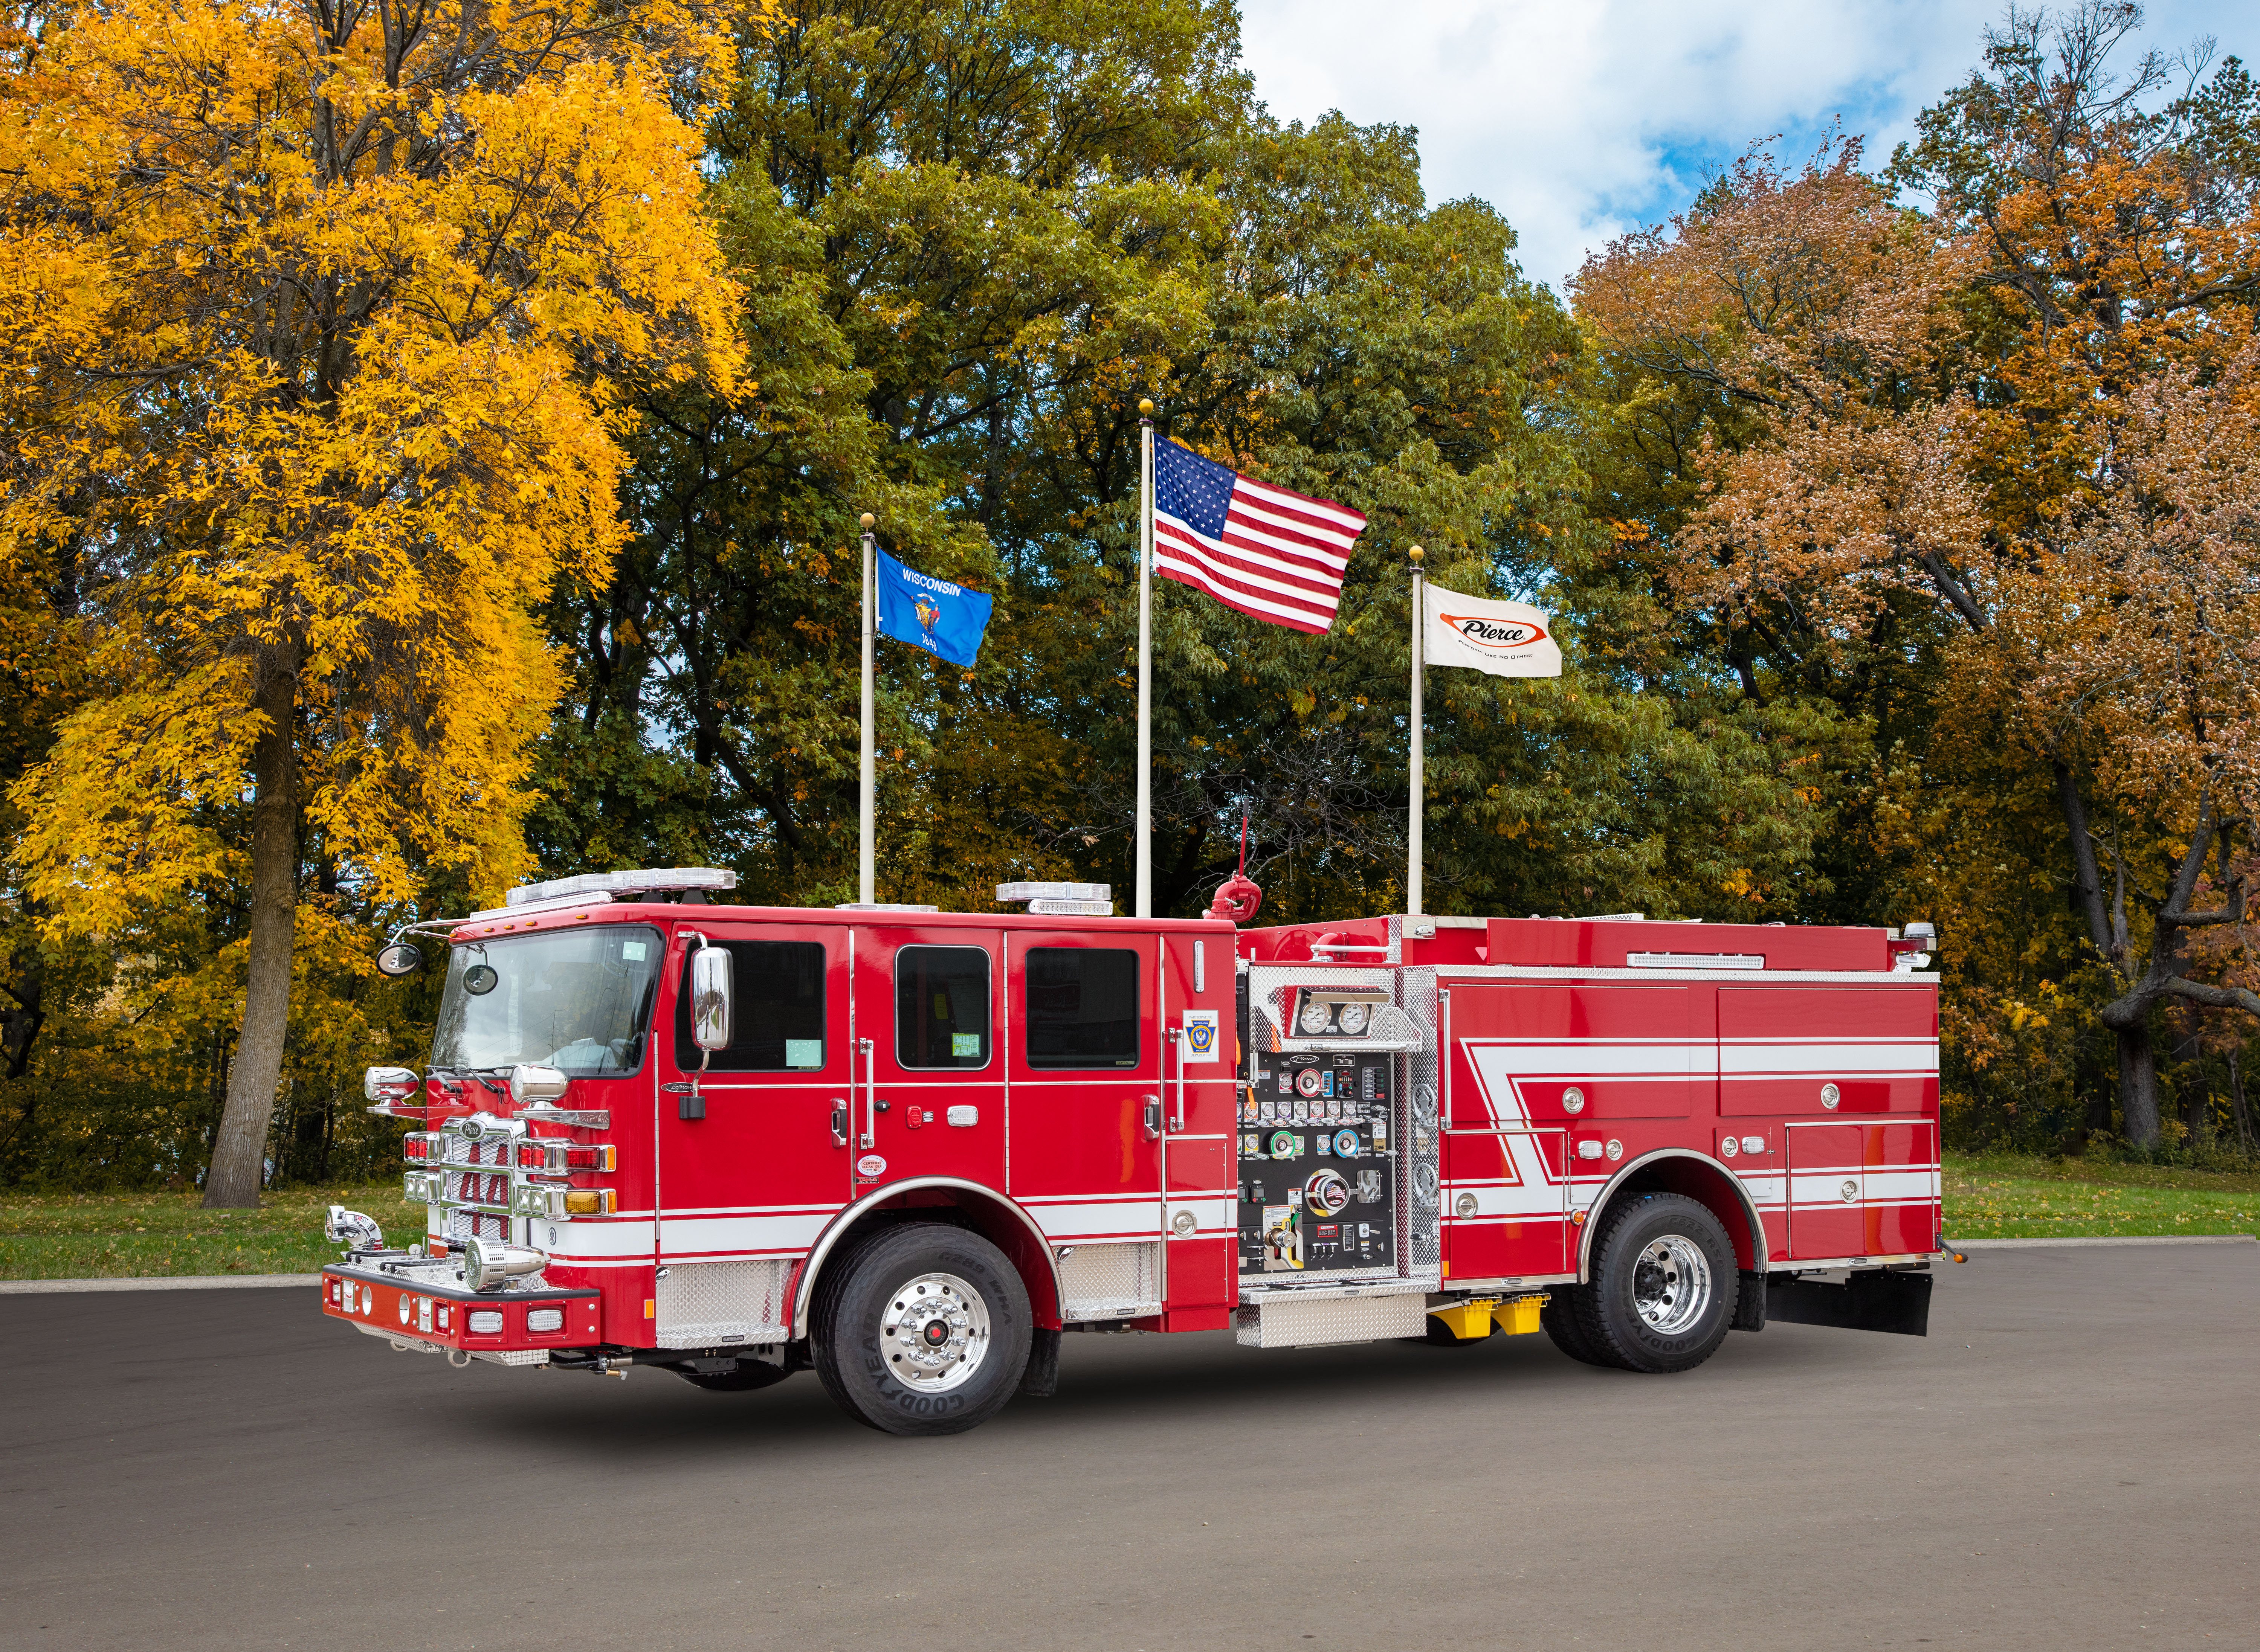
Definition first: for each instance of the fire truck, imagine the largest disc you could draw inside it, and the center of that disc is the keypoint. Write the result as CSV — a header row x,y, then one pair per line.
x,y
912,1148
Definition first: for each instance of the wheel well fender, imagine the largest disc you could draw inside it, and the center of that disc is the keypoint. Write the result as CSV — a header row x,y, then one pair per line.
x,y
998,1220
1699,1176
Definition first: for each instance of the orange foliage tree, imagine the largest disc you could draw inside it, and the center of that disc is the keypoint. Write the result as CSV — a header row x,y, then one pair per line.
x,y
314,320
2012,436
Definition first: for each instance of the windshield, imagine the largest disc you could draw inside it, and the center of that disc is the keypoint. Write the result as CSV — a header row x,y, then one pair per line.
x,y
577,999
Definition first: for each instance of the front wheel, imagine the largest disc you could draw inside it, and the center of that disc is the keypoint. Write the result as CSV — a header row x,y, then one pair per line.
x,y
1663,1286
924,1330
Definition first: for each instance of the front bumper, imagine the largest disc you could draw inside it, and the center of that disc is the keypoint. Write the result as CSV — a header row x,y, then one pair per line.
x,y
421,1303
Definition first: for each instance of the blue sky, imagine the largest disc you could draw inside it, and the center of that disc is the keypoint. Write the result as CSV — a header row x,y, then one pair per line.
x,y
1581,119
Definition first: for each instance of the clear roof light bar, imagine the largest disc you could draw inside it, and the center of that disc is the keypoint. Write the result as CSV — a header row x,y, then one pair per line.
x,y
660,880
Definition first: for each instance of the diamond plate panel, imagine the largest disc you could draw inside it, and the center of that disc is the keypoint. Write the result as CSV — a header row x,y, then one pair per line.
x,y
1112,1282
710,1303
1287,1323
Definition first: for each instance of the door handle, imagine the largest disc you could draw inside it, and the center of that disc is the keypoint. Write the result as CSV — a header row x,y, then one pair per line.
x,y
839,1122
1153,1117
870,1092
1176,1037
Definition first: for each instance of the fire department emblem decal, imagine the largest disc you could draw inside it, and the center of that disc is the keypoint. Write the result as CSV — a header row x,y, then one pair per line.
x,y
870,1167
1201,1044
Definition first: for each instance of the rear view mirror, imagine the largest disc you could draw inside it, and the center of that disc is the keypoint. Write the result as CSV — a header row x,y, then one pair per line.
x,y
400,958
386,1085
709,999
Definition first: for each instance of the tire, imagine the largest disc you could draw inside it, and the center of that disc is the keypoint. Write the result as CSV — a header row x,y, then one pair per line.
x,y
924,1296
1559,1318
1664,1288
750,1375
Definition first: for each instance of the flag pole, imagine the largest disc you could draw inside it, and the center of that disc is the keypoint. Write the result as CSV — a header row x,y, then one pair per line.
x,y
1419,739
1145,908
867,857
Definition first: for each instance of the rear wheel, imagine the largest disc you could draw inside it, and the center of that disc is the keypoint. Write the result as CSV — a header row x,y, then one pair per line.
x,y
1663,1286
923,1331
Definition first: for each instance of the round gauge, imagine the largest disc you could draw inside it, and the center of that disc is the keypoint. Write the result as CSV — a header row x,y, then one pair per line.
x,y
1353,1017
1326,1193
1346,1143
1309,1081
1316,1017
1282,1144
1333,1110
1266,1113
1302,1113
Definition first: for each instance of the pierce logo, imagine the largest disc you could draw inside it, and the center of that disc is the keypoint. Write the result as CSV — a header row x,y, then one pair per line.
x,y
1494,633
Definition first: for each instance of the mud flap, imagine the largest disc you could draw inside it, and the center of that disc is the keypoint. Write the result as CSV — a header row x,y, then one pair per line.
x,y
1896,1302
1750,1304
1041,1380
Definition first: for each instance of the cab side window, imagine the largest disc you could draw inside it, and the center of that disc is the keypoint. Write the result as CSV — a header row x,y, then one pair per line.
x,y
777,1010
1082,1010
941,1007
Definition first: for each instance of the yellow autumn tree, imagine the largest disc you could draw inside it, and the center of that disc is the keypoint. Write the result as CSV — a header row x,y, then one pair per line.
x,y
315,323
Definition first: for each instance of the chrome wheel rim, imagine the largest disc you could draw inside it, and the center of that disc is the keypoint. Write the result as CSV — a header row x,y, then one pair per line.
x,y
934,1333
1671,1283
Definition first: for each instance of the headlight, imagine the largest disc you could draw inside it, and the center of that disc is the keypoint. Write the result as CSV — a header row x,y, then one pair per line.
x,y
1316,1017
1353,1016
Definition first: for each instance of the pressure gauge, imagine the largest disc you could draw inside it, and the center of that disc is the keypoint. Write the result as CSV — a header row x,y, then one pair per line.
x,y
1352,1016
1316,1017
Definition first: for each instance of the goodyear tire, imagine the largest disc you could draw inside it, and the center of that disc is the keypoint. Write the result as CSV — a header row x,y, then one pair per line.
x,y
924,1330
1663,1287
1559,1319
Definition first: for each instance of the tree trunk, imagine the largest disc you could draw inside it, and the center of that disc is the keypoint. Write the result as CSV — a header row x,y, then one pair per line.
x,y
2238,1110
240,1148
2138,1086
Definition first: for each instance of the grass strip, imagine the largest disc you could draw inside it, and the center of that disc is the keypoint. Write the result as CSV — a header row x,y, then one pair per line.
x,y
153,1235
148,1235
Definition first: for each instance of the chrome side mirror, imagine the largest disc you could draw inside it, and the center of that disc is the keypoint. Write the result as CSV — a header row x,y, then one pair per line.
x,y
709,999
389,1084
536,1083
400,958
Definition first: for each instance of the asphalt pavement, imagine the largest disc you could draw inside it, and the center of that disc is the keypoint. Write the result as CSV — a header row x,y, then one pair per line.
x,y
2068,1461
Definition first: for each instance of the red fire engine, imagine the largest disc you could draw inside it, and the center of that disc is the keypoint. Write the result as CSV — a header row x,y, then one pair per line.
x,y
910,1148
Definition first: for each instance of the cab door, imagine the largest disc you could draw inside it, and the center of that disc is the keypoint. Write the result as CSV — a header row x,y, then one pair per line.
x,y
930,1079
767,1165
1085,1055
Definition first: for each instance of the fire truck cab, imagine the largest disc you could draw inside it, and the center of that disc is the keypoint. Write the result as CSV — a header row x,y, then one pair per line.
x,y
910,1149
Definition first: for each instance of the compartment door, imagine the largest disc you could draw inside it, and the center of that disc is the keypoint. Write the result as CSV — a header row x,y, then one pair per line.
x,y
1506,1204
1532,1054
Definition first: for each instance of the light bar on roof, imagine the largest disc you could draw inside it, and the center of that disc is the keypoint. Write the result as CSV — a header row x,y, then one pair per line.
x,y
1012,894
616,884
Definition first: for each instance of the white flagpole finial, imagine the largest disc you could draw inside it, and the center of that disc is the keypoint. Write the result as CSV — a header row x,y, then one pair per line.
x,y
866,847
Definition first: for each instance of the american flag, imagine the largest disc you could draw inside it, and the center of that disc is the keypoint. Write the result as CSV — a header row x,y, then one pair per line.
x,y
1261,549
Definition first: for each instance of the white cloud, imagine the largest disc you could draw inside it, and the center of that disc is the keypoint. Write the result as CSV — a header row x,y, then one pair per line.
x,y
1579,119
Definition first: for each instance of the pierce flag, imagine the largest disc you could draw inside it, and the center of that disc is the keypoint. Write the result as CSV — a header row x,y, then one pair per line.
x,y
1506,639
945,620
1269,552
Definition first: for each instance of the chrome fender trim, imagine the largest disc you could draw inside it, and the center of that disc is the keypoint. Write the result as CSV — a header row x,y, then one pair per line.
x,y
811,1264
1758,1247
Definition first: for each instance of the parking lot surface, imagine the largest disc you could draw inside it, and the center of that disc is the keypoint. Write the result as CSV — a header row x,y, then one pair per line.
x,y
2068,1461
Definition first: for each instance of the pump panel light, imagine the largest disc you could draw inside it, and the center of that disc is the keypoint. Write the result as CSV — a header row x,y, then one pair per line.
x,y
1336,1011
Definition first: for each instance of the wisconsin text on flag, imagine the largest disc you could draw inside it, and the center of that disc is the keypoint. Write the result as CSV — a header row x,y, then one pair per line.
x,y
1261,549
